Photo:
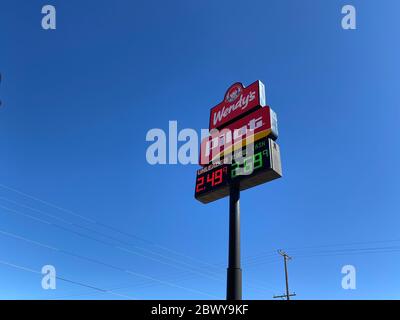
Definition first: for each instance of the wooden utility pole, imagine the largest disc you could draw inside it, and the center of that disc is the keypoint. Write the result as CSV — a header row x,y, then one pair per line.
x,y
285,259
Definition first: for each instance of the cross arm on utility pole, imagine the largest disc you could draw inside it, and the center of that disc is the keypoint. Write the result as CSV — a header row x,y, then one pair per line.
x,y
284,296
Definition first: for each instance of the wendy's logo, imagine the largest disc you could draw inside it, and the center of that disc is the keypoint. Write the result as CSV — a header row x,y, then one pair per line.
x,y
234,92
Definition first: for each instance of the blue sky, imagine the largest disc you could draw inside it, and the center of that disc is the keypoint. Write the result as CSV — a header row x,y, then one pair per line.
x,y
79,100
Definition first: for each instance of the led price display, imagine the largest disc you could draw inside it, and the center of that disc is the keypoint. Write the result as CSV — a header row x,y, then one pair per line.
x,y
260,166
211,182
211,179
249,164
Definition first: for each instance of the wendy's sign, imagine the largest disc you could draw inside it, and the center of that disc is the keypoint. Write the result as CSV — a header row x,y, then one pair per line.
x,y
240,151
238,101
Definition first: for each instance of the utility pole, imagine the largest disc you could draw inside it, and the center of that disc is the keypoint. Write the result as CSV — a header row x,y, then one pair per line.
x,y
234,272
285,259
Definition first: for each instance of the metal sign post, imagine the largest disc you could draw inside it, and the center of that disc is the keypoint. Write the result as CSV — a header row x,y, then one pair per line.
x,y
234,274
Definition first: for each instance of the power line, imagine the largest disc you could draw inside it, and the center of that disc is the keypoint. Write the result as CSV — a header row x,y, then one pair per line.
x,y
105,235
266,254
41,244
343,244
9,234
65,279
143,284
344,253
189,266
267,260
100,224
299,250
100,241
111,245
337,252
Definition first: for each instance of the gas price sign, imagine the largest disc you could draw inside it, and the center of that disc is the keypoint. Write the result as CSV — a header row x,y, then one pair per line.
x,y
258,166
239,153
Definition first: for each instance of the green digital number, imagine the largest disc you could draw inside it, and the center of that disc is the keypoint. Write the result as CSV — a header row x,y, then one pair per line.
x,y
235,167
258,161
248,165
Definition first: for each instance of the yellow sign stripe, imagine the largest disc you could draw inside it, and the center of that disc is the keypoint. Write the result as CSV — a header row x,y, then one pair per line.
x,y
242,143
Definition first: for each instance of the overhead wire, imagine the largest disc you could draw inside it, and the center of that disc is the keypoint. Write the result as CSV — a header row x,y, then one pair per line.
x,y
82,257
78,283
105,235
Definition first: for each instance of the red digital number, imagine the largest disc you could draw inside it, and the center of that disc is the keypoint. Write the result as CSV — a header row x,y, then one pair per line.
x,y
218,177
210,178
199,185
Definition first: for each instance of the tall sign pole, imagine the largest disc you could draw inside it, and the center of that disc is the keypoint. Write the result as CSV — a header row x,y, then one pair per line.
x,y
234,273
239,153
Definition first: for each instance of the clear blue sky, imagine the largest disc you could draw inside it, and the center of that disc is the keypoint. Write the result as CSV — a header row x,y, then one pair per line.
x,y
78,102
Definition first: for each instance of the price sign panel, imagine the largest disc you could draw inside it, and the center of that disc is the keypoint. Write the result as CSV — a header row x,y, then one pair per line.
x,y
249,170
212,182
